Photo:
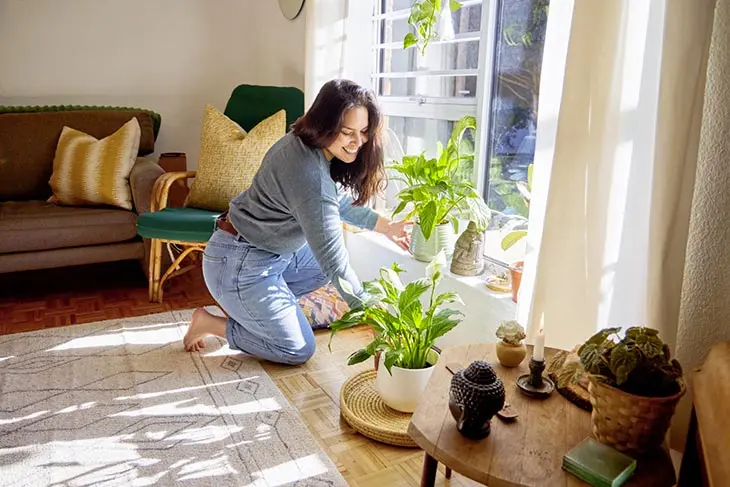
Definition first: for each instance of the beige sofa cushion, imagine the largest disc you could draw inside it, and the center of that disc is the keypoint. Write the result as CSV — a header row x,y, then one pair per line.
x,y
36,225
28,144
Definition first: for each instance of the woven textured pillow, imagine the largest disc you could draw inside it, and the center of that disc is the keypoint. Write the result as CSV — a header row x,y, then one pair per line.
x,y
229,157
88,171
323,306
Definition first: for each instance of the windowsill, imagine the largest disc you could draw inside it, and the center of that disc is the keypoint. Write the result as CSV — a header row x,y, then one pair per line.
x,y
483,308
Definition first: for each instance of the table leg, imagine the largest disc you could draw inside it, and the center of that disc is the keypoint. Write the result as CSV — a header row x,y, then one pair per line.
x,y
448,473
428,476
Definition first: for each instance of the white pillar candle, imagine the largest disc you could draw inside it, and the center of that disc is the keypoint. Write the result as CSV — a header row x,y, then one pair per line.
x,y
538,352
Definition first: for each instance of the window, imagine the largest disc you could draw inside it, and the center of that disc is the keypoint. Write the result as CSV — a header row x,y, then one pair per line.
x,y
485,62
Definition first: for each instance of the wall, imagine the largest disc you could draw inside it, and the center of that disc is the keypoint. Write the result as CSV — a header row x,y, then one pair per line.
x,y
171,56
705,307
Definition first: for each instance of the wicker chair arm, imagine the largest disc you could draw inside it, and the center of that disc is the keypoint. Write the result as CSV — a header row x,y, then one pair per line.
x,y
161,189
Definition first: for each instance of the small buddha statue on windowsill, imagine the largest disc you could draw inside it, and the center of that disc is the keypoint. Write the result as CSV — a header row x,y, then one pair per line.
x,y
468,252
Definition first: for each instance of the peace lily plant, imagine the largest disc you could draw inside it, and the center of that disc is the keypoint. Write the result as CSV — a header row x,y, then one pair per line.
x,y
406,319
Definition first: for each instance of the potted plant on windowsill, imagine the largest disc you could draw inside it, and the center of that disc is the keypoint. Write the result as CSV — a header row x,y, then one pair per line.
x,y
437,192
634,386
404,331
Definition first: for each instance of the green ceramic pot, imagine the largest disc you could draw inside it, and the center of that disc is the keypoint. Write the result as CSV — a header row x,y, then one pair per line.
x,y
443,237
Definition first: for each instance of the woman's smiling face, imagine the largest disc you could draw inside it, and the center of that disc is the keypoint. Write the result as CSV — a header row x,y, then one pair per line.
x,y
352,136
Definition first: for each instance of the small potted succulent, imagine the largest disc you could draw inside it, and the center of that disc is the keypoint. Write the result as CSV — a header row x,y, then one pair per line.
x,y
511,350
634,386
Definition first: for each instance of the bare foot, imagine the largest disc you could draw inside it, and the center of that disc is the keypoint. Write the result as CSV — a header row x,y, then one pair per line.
x,y
203,324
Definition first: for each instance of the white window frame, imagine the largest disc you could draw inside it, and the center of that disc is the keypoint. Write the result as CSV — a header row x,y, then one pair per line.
x,y
442,108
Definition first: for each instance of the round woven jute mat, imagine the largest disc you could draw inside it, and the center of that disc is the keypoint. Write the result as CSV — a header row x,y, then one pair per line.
x,y
363,409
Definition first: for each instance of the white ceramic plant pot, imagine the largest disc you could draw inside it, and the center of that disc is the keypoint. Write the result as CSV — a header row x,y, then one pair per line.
x,y
443,237
402,389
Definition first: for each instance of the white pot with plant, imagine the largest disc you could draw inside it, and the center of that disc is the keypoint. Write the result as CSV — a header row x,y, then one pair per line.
x,y
405,329
437,192
511,349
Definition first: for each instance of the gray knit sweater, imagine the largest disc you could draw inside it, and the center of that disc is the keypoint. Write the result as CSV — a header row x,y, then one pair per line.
x,y
293,201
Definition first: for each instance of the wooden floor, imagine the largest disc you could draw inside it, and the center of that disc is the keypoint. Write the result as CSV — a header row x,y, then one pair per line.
x,y
61,297
40,299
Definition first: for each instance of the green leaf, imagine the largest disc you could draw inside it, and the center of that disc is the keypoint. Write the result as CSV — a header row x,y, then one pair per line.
x,y
401,206
443,322
512,238
397,268
413,292
358,357
601,336
389,276
448,297
409,40
346,286
455,224
623,362
590,357
392,357
348,320
427,219
650,345
413,316
374,289
454,5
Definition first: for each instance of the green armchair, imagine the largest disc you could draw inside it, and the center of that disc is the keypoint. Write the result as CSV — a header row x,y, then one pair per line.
x,y
186,229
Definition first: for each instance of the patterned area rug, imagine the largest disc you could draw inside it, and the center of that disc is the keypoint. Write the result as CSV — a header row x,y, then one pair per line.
x,y
120,403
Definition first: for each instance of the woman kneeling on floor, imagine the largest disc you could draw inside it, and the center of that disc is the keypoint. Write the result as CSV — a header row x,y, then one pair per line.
x,y
282,237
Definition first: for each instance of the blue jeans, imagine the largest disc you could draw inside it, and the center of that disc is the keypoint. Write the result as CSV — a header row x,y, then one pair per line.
x,y
259,291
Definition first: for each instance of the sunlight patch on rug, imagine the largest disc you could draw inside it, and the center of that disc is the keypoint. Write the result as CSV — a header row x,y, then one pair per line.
x,y
120,403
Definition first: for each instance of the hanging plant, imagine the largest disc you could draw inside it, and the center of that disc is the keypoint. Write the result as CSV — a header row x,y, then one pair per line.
x,y
423,19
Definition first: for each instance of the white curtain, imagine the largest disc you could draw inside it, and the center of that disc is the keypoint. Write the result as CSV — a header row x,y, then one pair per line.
x,y
619,120
337,43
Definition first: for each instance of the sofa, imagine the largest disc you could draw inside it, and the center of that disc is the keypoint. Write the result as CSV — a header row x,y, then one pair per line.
x,y
37,234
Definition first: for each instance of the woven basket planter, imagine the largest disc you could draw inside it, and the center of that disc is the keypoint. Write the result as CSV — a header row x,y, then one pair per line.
x,y
630,423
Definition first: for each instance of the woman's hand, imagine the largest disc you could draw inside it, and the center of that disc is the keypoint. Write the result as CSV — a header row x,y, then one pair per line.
x,y
395,231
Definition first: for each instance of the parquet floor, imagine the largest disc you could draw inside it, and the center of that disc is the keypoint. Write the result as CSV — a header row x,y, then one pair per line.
x,y
40,299
61,297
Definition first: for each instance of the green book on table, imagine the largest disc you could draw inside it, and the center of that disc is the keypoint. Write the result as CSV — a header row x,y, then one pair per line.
x,y
599,464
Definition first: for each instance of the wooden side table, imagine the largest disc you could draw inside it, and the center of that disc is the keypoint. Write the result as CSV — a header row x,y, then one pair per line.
x,y
527,452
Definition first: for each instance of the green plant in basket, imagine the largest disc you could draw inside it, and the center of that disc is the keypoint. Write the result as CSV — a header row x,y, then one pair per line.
x,y
405,329
638,363
439,189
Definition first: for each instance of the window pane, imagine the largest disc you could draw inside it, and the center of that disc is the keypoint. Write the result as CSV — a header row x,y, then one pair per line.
x,y
460,55
431,86
419,134
466,19
398,4
513,116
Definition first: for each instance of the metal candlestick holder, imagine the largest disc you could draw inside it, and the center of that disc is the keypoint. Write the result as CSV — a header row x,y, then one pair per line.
x,y
535,384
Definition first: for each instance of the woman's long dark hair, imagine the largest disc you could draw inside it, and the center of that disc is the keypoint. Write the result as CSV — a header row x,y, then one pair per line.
x,y
321,125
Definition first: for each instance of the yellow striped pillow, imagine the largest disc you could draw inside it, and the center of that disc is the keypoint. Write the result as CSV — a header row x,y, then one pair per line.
x,y
88,171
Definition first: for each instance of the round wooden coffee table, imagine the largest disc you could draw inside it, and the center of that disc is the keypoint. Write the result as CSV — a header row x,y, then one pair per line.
x,y
526,452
